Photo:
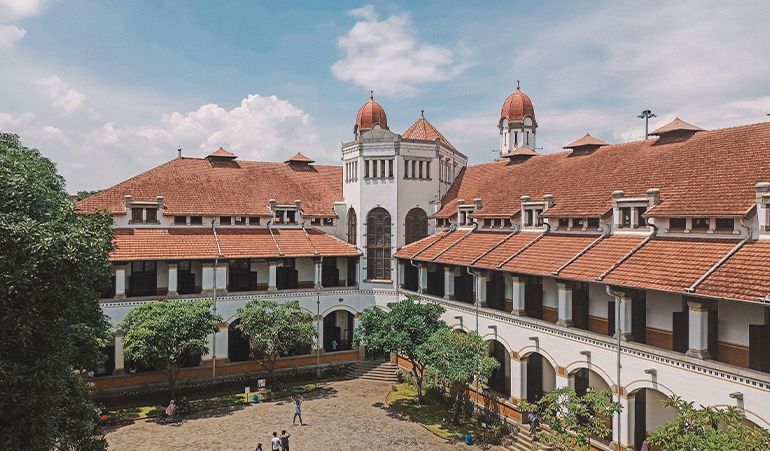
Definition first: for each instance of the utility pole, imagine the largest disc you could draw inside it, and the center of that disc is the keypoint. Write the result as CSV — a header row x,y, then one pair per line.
x,y
646,115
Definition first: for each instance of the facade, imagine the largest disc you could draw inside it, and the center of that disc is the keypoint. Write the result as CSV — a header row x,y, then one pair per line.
x,y
643,267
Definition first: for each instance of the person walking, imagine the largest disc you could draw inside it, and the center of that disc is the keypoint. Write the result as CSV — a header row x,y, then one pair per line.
x,y
297,410
170,411
285,441
275,442
534,423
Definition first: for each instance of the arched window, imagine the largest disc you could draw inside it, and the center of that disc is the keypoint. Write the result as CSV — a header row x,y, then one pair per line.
x,y
352,223
415,225
378,244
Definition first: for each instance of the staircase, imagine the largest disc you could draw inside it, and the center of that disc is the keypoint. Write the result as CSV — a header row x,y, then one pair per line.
x,y
374,370
523,442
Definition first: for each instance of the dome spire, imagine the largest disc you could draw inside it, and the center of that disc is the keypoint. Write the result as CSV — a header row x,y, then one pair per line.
x,y
371,94
518,84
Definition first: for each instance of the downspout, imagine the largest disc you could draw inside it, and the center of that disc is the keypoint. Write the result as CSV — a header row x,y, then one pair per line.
x,y
722,260
419,280
618,299
214,302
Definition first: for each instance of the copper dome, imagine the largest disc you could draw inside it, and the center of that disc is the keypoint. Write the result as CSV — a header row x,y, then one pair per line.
x,y
517,106
369,114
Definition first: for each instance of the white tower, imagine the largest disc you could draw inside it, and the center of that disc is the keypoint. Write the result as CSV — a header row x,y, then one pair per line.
x,y
517,123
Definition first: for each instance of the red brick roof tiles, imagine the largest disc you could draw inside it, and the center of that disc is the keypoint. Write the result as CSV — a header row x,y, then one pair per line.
x,y
196,186
669,264
413,248
677,125
601,257
505,250
548,254
423,130
586,141
370,114
517,106
712,173
471,247
743,276
199,243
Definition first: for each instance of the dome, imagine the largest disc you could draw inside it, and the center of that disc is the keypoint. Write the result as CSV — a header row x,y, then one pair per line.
x,y
371,114
517,106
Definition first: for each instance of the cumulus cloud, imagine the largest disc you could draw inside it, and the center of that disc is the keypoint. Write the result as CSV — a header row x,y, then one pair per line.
x,y
385,55
18,9
61,94
10,35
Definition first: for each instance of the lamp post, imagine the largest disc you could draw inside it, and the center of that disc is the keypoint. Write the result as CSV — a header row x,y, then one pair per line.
x,y
646,115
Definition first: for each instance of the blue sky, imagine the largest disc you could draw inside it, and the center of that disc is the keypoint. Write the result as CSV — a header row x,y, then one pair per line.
x,y
110,89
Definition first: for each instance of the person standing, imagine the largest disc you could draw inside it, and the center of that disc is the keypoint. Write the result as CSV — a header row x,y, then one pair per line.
x,y
275,442
170,411
297,410
259,447
285,441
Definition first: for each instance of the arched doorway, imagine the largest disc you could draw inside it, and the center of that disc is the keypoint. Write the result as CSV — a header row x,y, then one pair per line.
x,y
378,244
238,347
541,377
352,225
649,413
338,331
500,380
415,225
583,379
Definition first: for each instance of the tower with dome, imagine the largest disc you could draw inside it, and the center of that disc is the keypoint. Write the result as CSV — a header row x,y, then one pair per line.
x,y
517,124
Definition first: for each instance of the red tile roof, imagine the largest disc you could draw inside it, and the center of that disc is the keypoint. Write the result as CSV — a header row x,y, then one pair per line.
x,y
370,114
423,130
197,186
470,248
743,276
199,243
496,256
677,125
712,173
669,264
586,141
222,153
517,106
299,158
548,254
601,257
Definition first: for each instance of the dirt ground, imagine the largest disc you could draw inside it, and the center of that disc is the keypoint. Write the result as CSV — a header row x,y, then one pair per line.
x,y
346,415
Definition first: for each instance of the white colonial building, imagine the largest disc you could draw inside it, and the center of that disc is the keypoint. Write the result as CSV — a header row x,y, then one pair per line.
x,y
643,267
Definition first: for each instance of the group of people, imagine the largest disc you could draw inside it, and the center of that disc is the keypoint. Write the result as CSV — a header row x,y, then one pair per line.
x,y
281,443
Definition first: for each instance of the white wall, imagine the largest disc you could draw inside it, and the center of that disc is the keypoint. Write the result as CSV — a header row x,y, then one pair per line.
x,y
660,309
305,269
734,320
597,301
550,293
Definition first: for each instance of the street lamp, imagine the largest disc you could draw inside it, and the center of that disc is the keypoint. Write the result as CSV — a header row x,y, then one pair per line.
x,y
646,115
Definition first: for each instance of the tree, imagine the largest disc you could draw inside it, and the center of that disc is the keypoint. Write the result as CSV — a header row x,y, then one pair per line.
x,y
708,428
273,329
573,419
53,266
401,330
163,334
454,359
83,194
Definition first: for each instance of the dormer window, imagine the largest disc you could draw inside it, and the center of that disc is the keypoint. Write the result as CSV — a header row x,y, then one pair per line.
x,y
254,220
640,221
577,223
563,223
137,215
725,225
315,221
225,220
240,220
700,224
593,223
677,224
625,217
196,220
180,220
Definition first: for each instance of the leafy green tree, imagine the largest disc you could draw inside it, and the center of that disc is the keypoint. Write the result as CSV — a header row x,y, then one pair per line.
x,y
573,419
400,330
83,194
708,428
53,266
274,328
163,334
453,359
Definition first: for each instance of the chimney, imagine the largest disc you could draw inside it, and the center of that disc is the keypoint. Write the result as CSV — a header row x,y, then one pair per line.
x,y
763,205
548,199
653,197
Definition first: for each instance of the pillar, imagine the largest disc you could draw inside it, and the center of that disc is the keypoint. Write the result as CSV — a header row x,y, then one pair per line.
x,y
518,377
401,273
119,359
565,304
272,270
518,290
318,274
220,348
449,282
120,281
624,435
698,330
172,279
319,341
208,282
422,274
481,288
624,320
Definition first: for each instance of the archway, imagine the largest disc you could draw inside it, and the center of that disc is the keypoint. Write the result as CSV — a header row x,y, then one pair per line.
x,y
583,379
338,331
378,244
500,379
649,413
415,225
541,376
238,347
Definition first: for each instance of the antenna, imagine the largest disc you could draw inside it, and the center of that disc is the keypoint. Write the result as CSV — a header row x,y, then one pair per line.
x,y
646,115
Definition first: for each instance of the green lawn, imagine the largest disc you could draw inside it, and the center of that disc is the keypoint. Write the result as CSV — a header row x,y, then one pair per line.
x,y
435,415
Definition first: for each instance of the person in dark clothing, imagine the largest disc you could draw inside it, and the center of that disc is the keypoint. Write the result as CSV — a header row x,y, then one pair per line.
x,y
297,410
259,447
285,441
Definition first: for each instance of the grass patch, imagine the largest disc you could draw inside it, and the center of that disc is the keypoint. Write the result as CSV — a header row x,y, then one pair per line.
x,y
435,415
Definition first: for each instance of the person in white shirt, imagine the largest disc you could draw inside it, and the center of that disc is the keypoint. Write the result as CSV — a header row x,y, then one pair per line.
x,y
276,442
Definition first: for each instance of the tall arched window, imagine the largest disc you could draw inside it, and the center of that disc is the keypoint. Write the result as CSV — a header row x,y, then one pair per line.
x,y
378,244
352,223
416,225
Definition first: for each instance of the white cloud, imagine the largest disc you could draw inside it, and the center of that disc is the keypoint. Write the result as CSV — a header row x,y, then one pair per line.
x,y
386,56
10,35
61,94
18,9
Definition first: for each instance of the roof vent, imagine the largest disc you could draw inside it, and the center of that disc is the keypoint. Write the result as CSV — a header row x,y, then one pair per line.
x,y
675,131
584,145
221,154
520,154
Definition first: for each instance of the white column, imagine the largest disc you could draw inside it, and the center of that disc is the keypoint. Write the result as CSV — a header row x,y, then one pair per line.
x,y
624,321
222,278
221,345
625,433
120,281
518,289
565,304
172,279
319,341
698,332
401,269
481,288
519,378
422,274
207,281
272,268
119,359
317,275
449,282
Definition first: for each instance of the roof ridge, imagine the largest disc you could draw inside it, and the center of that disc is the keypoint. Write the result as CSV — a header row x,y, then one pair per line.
x,y
522,249
452,245
309,241
280,251
581,253
483,254
628,255
715,266
443,234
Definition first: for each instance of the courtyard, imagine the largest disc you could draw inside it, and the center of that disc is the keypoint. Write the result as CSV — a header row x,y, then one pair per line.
x,y
343,415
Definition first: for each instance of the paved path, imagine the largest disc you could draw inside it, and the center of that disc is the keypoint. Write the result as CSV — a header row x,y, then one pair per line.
x,y
346,415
